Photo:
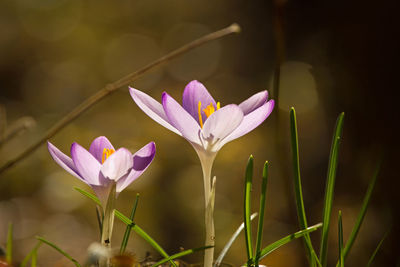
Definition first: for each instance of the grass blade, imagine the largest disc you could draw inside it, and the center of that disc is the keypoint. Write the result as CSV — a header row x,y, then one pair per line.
x,y
65,254
180,254
363,211
270,248
261,212
301,213
128,227
9,245
329,189
230,242
143,234
31,255
377,249
247,207
340,238
89,195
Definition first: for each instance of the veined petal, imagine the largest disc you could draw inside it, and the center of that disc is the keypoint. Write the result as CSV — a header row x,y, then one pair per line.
x,y
193,93
222,122
250,121
152,108
98,145
87,166
63,160
254,102
181,119
141,160
117,165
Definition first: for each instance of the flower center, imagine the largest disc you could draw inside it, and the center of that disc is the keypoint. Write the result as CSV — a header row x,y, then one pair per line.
x,y
106,153
208,111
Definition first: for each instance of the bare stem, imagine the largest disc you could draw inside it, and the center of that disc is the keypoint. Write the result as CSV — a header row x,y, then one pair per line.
x,y
112,87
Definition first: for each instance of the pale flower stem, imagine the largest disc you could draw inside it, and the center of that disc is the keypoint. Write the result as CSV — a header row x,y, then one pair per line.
x,y
209,197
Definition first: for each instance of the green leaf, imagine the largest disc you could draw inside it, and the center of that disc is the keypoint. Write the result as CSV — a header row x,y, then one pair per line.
x,y
283,241
143,234
65,254
377,249
180,254
247,207
329,189
230,242
9,245
128,227
261,212
89,195
340,239
30,255
363,211
301,212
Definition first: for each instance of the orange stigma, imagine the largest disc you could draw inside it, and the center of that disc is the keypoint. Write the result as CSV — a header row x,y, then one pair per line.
x,y
106,153
208,111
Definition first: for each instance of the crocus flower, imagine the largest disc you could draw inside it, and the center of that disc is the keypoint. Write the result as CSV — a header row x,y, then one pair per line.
x,y
201,120
207,126
102,165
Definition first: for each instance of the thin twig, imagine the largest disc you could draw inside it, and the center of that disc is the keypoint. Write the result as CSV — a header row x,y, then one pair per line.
x,y
18,127
112,87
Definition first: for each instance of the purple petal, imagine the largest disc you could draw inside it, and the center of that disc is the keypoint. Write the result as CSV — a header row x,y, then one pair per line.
x,y
195,92
141,160
87,165
222,122
181,119
63,160
254,102
117,165
152,108
250,121
98,145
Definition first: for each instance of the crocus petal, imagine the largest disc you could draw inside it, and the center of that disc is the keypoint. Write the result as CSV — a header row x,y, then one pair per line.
x,y
87,165
195,92
63,160
222,122
117,165
98,145
141,160
152,108
254,102
181,119
250,122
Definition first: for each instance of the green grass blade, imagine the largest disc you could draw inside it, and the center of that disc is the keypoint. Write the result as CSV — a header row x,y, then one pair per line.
x,y
363,211
65,254
261,212
128,227
34,259
340,238
329,189
9,245
180,254
31,255
89,195
371,259
270,248
301,213
247,206
221,256
143,234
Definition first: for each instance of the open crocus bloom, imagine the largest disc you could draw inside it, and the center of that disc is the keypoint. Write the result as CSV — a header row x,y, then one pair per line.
x,y
102,164
201,120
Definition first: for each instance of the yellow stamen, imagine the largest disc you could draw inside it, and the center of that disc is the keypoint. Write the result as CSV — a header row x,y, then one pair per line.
x,y
210,109
200,117
106,153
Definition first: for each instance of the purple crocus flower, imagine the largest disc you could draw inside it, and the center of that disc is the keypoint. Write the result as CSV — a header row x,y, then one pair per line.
x,y
201,120
102,165
207,126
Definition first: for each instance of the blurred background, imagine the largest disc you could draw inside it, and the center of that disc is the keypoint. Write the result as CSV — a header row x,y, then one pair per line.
x,y
334,56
